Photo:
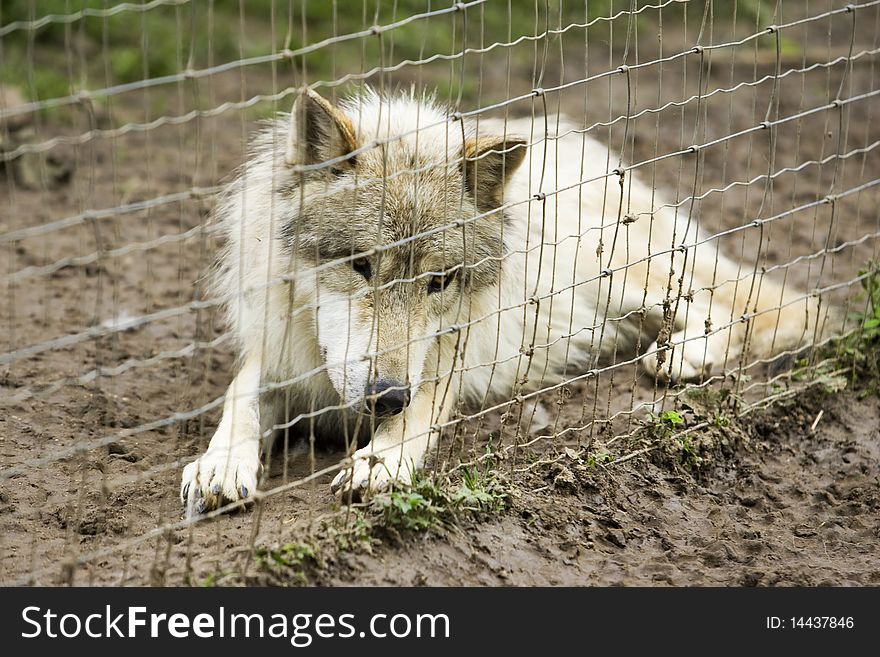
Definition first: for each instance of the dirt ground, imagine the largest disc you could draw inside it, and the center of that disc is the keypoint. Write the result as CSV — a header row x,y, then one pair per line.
x,y
786,505
90,465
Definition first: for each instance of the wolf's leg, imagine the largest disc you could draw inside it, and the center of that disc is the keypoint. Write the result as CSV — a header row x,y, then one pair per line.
x,y
400,444
691,354
689,345
755,315
228,470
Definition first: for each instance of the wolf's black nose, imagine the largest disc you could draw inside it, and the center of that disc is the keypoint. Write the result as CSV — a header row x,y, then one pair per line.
x,y
388,397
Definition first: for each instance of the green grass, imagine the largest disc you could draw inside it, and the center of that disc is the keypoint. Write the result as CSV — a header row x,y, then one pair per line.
x,y
430,503
665,423
165,40
693,449
126,47
854,359
217,579
869,319
290,554
595,459
861,349
288,560
62,58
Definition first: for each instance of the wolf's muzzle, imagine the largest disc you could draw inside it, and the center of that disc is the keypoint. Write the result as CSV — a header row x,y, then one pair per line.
x,y
387,397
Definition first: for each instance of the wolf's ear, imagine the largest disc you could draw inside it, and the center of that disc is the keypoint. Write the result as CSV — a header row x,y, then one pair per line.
x,y
488,164
319,131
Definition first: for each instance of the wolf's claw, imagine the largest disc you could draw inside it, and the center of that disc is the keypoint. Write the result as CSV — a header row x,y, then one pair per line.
x,y
369,474
219,477
340,480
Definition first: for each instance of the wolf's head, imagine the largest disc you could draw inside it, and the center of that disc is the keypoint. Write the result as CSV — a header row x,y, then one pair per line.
x,y
394,215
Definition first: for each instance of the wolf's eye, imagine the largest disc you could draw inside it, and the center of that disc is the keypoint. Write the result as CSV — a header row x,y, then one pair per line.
x,y
439,282
362,267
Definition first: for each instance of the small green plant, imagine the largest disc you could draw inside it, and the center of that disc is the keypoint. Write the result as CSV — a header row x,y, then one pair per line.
x,y
429,503
594,459
860,350
665,429
671,418
870,319
425,504
215,579
419,506
409,509
290,557
687,447
358,533
480,492
665,424
720,421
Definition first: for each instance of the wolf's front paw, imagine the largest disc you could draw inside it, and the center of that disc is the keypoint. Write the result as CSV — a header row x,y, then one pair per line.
x,y
686,359
219,476
370,473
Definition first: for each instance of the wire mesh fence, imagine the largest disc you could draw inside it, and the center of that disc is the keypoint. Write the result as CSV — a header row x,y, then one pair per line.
x,y
448,239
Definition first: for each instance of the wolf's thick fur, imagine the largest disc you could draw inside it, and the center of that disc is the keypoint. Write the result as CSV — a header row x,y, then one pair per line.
x,y
391,272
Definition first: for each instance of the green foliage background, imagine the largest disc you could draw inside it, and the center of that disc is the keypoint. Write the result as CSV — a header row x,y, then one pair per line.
x,y
60,58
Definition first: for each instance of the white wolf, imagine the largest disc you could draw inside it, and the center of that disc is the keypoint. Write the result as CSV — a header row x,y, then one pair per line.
x,y
385,260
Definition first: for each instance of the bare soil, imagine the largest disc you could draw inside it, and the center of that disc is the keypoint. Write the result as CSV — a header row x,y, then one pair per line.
x,y
785,505
90,464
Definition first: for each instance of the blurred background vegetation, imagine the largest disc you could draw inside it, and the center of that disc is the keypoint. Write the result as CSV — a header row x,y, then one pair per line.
x,y
61,58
